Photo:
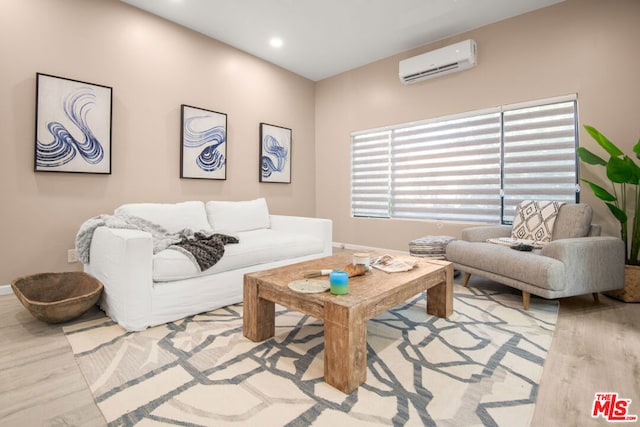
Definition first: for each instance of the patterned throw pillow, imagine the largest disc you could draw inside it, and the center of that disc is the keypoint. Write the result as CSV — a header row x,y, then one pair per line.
x,y
534,220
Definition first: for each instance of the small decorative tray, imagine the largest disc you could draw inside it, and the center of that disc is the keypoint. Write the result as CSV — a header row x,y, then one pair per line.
x,y
309,286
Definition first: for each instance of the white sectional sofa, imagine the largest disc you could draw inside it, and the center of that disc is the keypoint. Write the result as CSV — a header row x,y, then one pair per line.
x,y
143,289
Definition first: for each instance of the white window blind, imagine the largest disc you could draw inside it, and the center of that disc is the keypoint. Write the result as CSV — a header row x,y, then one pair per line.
x,y
370,174
447,170
539,154
472,167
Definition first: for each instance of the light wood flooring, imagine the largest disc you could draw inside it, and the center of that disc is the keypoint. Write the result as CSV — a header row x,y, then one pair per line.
x,y
596,348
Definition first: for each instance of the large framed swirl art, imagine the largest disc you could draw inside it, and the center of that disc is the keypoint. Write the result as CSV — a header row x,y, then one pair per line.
x,y
203,144
73,126
275,154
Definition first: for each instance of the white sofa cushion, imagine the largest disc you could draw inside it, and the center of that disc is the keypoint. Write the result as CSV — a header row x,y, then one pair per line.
x,y
255,247
233,217
172,216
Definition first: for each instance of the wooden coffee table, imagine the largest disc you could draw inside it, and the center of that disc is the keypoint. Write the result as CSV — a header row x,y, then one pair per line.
x,y
344,316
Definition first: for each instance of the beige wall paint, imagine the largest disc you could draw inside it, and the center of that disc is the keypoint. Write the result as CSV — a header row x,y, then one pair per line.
x,y
587,47
153,67
580,46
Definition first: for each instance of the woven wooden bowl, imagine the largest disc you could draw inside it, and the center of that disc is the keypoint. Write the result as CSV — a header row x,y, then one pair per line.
x,y
57,297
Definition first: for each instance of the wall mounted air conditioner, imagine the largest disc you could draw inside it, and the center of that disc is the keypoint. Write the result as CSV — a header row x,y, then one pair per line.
x,y
449,59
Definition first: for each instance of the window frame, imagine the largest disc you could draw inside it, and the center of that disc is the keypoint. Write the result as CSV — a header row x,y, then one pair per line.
x,y
571,165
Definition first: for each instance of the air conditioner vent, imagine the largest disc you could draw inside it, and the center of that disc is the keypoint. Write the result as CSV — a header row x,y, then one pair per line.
x,y
431,71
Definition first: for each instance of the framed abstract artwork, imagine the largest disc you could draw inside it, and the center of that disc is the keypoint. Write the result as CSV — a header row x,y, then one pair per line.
x,y
203,144
73,126
275,154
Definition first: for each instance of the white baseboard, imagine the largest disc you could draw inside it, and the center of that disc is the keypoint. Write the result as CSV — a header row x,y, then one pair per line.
x,y
5,290
352,247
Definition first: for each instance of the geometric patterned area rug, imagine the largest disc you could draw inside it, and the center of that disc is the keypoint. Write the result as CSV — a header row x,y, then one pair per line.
x,y
480,367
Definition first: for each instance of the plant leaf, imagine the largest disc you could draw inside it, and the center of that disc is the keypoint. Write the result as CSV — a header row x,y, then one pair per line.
x,y
590,158
635,170
600,192
620,171
618,213
609,146
636,149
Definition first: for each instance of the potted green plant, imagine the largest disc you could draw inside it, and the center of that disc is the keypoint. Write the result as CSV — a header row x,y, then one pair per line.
x,y
623,200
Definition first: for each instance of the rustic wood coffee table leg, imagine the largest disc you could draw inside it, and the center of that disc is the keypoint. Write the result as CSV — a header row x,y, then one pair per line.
x,y
258,315
440,296
345,346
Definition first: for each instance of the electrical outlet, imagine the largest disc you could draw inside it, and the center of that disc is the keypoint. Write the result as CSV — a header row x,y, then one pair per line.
x,y
72,256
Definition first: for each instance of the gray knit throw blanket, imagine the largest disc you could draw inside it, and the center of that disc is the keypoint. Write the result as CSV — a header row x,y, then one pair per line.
x,y
204,250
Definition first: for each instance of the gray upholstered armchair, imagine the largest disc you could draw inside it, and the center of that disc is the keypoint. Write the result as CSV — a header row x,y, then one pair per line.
x,y
576,261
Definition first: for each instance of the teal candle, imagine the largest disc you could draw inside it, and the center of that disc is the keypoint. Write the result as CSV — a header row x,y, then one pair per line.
x,y
339,281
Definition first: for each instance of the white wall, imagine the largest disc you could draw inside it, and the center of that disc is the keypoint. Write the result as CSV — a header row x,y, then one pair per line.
x,y
579,46
153,66
586,47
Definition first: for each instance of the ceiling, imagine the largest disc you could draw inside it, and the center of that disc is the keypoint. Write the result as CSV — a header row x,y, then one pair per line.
x,y
322,38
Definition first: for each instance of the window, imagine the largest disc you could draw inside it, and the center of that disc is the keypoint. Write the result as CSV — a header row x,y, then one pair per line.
x,y
471,167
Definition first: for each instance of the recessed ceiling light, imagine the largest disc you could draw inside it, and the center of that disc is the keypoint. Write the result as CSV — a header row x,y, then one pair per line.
x,y
276,42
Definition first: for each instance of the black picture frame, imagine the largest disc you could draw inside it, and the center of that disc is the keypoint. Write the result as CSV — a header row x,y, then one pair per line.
x,y
275,153
203,143
73,126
